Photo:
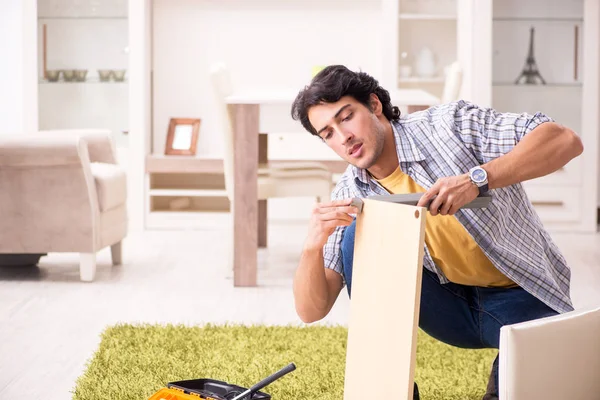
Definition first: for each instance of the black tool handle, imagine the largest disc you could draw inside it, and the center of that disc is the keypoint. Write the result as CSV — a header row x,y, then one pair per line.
x,y
268,380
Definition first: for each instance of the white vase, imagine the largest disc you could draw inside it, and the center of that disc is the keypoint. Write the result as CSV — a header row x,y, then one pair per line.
x,y
425,64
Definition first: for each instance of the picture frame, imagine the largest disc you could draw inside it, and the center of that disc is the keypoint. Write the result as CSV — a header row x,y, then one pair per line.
x,y
182,136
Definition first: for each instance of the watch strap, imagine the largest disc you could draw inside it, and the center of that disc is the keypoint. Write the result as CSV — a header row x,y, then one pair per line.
x,y
483,189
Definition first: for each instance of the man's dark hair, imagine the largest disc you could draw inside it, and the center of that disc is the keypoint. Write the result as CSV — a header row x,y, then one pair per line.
x,y
335,82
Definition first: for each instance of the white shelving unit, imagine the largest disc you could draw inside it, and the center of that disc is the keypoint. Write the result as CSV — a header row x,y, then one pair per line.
x,y
566,53
185,192
425,24
452,29
90,36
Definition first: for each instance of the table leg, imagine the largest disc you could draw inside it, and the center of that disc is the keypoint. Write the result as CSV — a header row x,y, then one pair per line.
x,y
245,196
262,223
263,159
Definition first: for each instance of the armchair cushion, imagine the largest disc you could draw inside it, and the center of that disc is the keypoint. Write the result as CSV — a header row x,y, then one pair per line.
x,y
111,185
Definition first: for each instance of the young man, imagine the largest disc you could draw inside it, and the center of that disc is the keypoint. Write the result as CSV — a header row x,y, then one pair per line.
x,y
483,268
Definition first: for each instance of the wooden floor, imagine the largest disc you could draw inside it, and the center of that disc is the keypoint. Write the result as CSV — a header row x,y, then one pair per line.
x,y
50,322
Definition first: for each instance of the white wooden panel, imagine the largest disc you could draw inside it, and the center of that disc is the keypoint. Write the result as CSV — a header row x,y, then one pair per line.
x,y
555,203
474,36
551,358
384,311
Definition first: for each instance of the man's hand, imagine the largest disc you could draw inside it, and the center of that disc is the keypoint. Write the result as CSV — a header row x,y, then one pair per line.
x,y
451,193
325,218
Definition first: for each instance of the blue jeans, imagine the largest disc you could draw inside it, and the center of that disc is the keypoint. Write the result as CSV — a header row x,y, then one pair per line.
x,y
463,316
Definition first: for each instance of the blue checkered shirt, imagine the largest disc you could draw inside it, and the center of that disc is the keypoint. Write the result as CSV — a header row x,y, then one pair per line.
x,y
448,140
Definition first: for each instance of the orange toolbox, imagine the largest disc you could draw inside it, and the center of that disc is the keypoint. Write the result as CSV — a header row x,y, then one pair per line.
x,y
211,389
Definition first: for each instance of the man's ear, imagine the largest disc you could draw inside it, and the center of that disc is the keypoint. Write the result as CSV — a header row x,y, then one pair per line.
x,y
375,105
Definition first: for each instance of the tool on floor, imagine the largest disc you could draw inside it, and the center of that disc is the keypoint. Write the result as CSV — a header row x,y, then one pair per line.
x,y
211,389
250,392
412,199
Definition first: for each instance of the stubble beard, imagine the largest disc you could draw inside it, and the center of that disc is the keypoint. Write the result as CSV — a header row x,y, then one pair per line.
x,y
379,137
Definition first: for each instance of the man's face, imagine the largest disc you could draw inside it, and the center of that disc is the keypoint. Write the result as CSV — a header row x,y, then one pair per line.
x,y
352,130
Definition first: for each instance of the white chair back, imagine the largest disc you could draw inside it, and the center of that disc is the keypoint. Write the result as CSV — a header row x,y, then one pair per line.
x,y
452,83
551,358
221,84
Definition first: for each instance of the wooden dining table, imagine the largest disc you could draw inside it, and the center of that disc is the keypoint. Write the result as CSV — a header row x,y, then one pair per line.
x,y
249,215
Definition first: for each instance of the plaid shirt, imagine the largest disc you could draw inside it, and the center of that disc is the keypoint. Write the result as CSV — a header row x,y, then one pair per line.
x,y
448,140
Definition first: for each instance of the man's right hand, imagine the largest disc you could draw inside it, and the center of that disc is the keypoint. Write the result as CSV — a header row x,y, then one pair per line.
x,y
325,218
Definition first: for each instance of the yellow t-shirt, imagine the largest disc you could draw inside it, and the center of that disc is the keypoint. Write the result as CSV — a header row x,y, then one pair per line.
x,y
452,248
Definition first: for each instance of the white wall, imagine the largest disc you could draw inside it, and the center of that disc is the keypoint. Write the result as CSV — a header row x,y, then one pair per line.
x,y
18,79
266,43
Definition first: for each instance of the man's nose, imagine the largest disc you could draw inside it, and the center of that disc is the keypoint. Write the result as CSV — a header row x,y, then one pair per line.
x,y
346,136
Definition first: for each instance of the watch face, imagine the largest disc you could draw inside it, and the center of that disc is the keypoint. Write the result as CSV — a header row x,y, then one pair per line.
x,y
479,175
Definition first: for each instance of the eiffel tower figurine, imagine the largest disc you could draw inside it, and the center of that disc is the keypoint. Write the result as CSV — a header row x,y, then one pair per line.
x,y
530,71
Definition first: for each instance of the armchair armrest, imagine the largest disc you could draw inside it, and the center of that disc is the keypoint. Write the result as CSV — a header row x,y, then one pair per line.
x,y
41,150
48,195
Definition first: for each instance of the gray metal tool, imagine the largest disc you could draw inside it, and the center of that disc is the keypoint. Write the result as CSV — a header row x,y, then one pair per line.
x,y
268,380
412,199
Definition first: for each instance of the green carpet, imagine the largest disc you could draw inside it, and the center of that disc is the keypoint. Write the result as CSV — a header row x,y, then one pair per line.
x,y
133,362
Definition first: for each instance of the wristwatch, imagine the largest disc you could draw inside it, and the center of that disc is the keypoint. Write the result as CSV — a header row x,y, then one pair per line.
x,y
479,178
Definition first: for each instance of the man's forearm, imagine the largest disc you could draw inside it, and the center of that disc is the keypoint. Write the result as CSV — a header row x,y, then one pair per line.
x,y
542,151
311,291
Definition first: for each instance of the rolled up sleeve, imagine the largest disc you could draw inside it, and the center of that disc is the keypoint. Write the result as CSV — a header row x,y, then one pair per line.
x,y
490,133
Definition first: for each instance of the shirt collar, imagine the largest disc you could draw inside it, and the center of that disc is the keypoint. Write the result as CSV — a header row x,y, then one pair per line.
x,y
406,149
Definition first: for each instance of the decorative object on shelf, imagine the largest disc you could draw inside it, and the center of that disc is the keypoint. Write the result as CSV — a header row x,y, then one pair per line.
x,y
119,75
104,75
182,136
180,203
425,65
404,69
69,75
53,75
80,75
530,72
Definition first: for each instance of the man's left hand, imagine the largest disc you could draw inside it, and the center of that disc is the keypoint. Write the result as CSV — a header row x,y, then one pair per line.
x,y
451,193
